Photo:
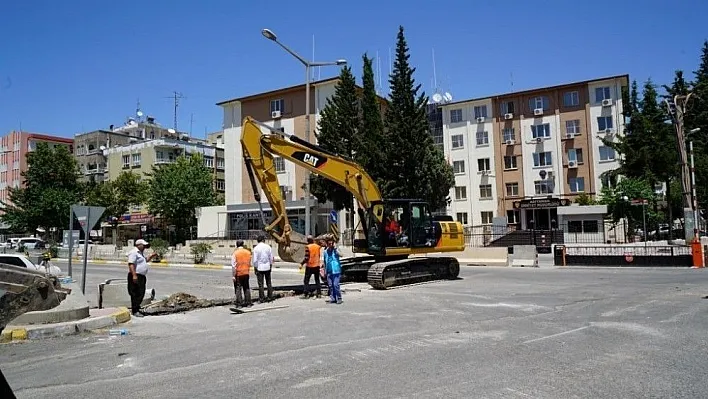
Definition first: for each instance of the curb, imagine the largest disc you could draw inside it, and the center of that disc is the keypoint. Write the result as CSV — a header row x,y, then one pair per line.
x,y
45,331
159,264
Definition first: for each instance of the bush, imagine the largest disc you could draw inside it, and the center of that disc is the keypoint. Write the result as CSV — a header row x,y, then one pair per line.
x,y
200,252
53,250
160,247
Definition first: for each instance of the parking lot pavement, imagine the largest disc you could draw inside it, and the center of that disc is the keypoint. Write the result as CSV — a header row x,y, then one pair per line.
x,y
203,283
497,332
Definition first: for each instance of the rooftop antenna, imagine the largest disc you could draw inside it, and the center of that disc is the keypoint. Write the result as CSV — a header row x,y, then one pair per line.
x,y
138,112
378,69
176,96
511,77
435,74
191,122
377,75
390,67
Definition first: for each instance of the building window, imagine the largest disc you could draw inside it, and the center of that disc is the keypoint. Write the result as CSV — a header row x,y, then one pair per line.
x,y
458,141
577,184
571,99
608,181
604,122
508,134
541,131
602,93
209,162
126,161
480,111
543,187
485,191
462,217
136,159
542,159
583,226
458,167
460,193
484,165
606,153
220,185
277,105
572,127
482,138
575,155
507,107
455,115
284,192
512,189
538,102
512,217
487,217
510,162
279,164
219,163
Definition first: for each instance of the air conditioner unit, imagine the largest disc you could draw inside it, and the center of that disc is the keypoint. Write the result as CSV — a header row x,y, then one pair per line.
x,y
480,119
539,140
510,142
607,102
569,135
572,164
609,130
538,111
275,114
486,172
509,116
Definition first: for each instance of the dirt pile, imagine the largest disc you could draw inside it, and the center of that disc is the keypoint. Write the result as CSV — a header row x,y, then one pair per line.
x,y
183,302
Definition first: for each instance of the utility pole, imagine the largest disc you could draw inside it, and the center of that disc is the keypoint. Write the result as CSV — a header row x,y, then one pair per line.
x,y
677,110
176,96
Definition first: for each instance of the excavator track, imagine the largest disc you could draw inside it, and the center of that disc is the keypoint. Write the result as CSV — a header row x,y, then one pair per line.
x,y
383,275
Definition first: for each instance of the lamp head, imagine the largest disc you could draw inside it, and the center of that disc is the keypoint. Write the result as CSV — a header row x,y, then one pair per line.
x,y
269,34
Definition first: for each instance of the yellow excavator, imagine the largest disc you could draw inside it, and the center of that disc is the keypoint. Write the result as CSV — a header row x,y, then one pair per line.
x,y
393,229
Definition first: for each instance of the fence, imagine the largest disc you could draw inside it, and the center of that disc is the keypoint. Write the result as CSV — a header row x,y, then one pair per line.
x,y
574,232
625,255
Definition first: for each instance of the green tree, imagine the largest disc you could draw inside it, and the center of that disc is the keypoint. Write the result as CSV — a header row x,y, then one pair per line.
x,y
338,133
697,117
50,188
177,189
619,206
118,196
369,150
415,167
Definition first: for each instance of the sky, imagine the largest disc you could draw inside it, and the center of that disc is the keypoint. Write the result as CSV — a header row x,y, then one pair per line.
x,y
76,65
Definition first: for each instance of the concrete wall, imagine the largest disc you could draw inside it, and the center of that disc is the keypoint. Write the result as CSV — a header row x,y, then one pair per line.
x,y
212,221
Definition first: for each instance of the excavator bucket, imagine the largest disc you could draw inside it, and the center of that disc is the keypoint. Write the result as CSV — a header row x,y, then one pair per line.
x,y
24,290
294,251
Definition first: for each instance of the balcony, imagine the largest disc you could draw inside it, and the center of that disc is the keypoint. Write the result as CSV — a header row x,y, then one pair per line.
x,y
162,161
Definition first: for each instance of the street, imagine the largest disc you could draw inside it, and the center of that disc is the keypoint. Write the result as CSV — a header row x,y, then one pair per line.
x,y
203,283
496,332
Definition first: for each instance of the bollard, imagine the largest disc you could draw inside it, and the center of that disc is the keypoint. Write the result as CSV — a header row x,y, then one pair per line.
x,y
697,253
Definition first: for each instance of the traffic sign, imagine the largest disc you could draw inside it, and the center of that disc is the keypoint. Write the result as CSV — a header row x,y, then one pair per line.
x,y
88,216
333,216
639,202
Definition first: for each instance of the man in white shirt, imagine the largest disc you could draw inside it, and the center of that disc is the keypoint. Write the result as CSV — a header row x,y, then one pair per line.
x,y
262,262
138,265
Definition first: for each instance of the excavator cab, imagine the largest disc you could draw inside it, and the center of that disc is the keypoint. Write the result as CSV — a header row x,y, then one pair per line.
x,y
400,227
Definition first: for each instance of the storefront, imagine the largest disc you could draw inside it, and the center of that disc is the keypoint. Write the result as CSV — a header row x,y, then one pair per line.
x,y
540,213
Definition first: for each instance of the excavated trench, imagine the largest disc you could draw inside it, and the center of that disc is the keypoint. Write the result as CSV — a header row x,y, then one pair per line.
x,y
183,302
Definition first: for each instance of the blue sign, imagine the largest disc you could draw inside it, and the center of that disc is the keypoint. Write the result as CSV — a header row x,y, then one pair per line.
x,y
333,216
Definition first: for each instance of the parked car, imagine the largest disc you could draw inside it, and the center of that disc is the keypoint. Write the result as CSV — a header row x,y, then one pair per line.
x,y
23,261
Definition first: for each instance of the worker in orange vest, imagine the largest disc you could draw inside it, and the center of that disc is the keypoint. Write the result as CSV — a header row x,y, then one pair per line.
x,y
241,264
312,263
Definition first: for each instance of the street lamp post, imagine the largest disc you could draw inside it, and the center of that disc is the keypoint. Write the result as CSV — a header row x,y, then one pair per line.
x,y
268,34
696,226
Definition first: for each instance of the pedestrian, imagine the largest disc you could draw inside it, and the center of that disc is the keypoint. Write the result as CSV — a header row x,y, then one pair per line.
x,y
137,276
333,269
240,264
262,261
312,267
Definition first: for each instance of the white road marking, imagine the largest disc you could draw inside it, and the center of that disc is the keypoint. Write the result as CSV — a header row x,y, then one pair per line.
x,y
556,335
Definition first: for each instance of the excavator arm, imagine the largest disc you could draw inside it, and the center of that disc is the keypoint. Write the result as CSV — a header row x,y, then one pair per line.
x,y
259,149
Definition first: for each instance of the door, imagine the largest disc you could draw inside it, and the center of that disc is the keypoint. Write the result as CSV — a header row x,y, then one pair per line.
x,y
422,231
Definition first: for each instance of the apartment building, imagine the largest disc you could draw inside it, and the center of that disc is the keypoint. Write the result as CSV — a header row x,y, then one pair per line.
x,y
140,157
14,147
520,155
282,109
90,146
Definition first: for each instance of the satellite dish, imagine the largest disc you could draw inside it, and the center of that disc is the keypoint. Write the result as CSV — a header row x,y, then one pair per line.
x,y
171,131
140,113
447,96
437,98
102,148
132,123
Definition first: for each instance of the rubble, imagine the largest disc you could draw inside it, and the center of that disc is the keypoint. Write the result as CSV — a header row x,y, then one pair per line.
x,y
183,302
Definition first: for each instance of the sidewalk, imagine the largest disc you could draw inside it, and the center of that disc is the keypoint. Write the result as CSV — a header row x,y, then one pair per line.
x,y
98,319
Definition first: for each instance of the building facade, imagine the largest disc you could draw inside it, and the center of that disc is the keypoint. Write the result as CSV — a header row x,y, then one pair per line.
x,y
90,146
14,147
520,155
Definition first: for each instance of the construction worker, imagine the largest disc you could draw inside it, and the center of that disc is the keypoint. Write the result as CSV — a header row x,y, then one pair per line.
x,y
312,267
240,264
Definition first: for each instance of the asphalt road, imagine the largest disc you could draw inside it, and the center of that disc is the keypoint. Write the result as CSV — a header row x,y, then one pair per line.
x,y
495,333
203,283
